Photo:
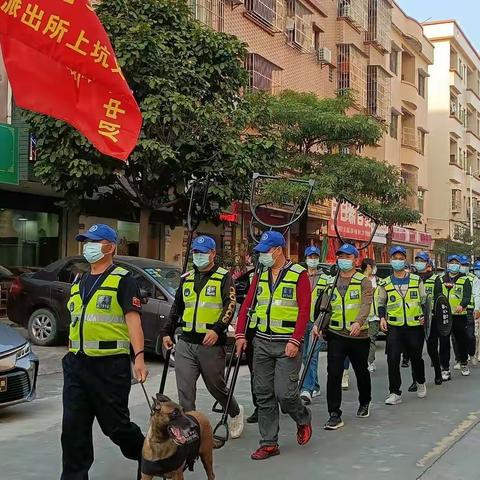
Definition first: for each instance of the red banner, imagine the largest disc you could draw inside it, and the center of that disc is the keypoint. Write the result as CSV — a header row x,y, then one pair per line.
x,y
60,63
350,224
413,237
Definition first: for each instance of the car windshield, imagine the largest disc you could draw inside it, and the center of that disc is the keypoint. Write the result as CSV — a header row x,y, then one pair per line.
x,y
168,278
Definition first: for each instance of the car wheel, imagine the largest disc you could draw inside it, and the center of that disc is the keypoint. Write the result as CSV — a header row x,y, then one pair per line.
x,y
43,327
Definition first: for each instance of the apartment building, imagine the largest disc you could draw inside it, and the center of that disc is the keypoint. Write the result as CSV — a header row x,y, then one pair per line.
x,y
370,47
454,118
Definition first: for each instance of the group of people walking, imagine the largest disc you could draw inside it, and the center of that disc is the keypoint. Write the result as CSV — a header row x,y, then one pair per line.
x,y
277,324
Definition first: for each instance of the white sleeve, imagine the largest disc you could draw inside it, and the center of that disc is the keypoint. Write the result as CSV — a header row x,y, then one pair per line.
x,y
476,293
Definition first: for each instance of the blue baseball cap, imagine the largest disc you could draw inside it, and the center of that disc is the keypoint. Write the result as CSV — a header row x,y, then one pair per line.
x,y
398,249
454,257
464,260
312,250
476,265
204,244
268,240
98,232
347,249
423,256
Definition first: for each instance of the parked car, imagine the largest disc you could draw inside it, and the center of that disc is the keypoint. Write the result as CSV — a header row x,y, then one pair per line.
x,y
38,301
18,368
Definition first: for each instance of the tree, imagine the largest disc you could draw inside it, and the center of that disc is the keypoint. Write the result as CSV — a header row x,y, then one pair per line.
x,y
320,140
187,80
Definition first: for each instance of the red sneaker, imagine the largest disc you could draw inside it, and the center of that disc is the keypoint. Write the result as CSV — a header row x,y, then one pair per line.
x,y
304,434
265,452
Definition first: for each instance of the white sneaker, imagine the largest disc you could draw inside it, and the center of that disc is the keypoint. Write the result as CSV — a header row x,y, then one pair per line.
x,y
457,366
236,424
371,367
316,393
465,370
345,380
393,399
446,375
421,390
306,397
474,361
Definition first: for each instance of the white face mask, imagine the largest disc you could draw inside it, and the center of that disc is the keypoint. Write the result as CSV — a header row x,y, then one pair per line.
x,y
374,270
201,260
313,262
93,252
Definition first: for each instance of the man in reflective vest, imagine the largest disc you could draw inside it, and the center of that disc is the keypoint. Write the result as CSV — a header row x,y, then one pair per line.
x,y
347,335
471,341
476,313
433,289
318,284
282,311
400,301
458,289
205,301
105,312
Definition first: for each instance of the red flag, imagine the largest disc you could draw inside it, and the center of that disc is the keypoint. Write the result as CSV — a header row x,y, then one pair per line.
x,y
60,62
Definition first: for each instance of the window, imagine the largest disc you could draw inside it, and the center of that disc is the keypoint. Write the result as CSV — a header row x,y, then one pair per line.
x,y
378,92
299,25
316,39
453,152
421,84
352,73
394,125
209,12
267,12
354,10
421,201
379,23
453,106
70,271
421,141
264,75
456,200
394,60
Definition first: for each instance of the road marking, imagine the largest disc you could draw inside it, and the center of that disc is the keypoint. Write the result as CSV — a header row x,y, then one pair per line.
x,y
447,442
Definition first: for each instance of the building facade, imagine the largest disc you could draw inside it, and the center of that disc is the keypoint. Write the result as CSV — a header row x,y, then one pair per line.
x,y
454,118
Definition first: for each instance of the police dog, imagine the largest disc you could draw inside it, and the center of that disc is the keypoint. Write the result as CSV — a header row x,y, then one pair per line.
x,y
175,439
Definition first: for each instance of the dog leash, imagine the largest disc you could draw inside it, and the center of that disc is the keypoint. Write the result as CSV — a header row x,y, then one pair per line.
x,y
146,397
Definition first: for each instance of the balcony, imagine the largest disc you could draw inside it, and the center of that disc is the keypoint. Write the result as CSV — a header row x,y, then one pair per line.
x,y
268,13
456,82
409,94
473,141
472,100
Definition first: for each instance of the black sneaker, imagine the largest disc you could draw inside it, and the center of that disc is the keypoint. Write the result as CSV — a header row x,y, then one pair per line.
x,y
413,387
253,418
363,411
438,379
405,363
334,422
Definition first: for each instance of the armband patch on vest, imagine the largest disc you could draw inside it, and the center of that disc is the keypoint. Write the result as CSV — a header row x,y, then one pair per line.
x,y
187,292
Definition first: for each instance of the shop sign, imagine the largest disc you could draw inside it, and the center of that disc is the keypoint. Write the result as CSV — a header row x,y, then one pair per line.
x,y
351,224
8,154
412,237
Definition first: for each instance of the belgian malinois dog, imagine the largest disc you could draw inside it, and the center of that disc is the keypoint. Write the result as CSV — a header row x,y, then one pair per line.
x,y
174,441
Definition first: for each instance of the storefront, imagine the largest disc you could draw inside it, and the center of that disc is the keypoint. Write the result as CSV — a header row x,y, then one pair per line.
x,y
413,240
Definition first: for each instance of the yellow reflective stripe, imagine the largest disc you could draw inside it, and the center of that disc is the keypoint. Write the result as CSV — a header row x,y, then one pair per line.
x,y
91,345
263,301
189,304
210,305
284,303
104,318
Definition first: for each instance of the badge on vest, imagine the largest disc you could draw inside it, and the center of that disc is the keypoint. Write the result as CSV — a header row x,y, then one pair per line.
x,y
71,307
458,291
413,294
211,291
392,298
187,292
287,292
354,295
259,290
334,297
104,302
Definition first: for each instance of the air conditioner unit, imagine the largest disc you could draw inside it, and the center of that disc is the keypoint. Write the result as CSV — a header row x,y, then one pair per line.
x,y
324,55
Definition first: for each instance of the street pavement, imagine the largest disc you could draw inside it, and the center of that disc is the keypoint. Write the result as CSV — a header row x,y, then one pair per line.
x,y
436,438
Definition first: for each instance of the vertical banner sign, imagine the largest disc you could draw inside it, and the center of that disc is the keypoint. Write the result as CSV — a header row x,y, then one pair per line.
x,y
60,62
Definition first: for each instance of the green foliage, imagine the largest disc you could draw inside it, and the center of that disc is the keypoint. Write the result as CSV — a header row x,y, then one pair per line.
x,y
321,141
186,79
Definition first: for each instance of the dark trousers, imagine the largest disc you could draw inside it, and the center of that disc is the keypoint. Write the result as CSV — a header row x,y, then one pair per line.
x,y
249,356
96,387
400,339
433,343
471,340
357,350
460,338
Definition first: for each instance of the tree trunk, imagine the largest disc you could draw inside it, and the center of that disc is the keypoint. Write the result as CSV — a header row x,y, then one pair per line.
x,y
302,235
144,232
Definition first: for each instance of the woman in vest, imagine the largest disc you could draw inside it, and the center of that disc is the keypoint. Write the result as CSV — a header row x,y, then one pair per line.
x,y
458,290
400,302
318,283
282,312
347,335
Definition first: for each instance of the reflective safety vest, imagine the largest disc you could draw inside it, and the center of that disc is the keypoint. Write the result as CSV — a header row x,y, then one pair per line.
x,y
99,328
277,312
430,284
455,294
471,277
408,309
202,311
317,292
345,309
374,307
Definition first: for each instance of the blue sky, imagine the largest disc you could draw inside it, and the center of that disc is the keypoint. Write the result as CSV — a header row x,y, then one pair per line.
x,y
466,12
